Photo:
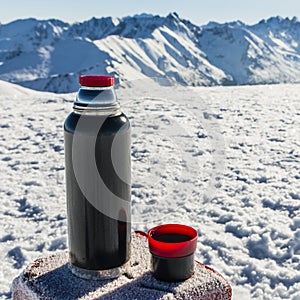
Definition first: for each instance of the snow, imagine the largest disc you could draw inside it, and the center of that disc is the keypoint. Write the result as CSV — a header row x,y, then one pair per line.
x,y
13,91
225,160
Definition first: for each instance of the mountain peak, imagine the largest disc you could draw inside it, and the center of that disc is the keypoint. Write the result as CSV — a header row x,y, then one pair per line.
x,y
173,15
295,20
278,20
213,24
142,15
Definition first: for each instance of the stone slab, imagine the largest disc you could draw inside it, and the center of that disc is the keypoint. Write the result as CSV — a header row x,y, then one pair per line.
x,y
50,278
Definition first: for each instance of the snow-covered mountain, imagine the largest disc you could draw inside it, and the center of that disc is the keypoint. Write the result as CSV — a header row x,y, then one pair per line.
x,y
50,54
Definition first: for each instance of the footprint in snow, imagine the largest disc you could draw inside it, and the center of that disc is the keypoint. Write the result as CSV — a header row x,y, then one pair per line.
x,y
17,255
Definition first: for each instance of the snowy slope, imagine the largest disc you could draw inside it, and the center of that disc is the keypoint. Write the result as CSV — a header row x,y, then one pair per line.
x,y
50,54
11,91
161,55
264,53
225,160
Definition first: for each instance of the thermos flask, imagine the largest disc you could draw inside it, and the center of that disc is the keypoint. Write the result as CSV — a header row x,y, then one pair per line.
x,y
97,160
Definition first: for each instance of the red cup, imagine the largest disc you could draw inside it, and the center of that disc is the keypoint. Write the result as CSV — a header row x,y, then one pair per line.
x,y
172,247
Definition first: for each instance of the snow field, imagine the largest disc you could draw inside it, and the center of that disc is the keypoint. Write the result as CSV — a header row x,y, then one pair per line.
x,y
244,198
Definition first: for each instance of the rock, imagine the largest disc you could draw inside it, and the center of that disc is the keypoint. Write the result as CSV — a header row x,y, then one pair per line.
x,y
50,278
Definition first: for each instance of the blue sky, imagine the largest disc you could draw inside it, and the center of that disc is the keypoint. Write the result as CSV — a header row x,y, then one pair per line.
x,y
198,11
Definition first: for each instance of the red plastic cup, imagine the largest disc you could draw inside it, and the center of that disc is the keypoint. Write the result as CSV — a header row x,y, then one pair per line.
x,y
172,247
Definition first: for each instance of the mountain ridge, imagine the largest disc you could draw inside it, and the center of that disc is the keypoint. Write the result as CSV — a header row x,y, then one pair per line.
x,y
51,54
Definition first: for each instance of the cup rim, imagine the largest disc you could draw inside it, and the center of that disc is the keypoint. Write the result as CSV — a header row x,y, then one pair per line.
x,y
172,250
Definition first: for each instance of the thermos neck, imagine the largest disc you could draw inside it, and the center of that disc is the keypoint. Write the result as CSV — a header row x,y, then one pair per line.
x,y
96,100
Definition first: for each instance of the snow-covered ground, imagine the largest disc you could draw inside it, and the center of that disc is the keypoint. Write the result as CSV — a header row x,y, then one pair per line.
x,y
225,160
